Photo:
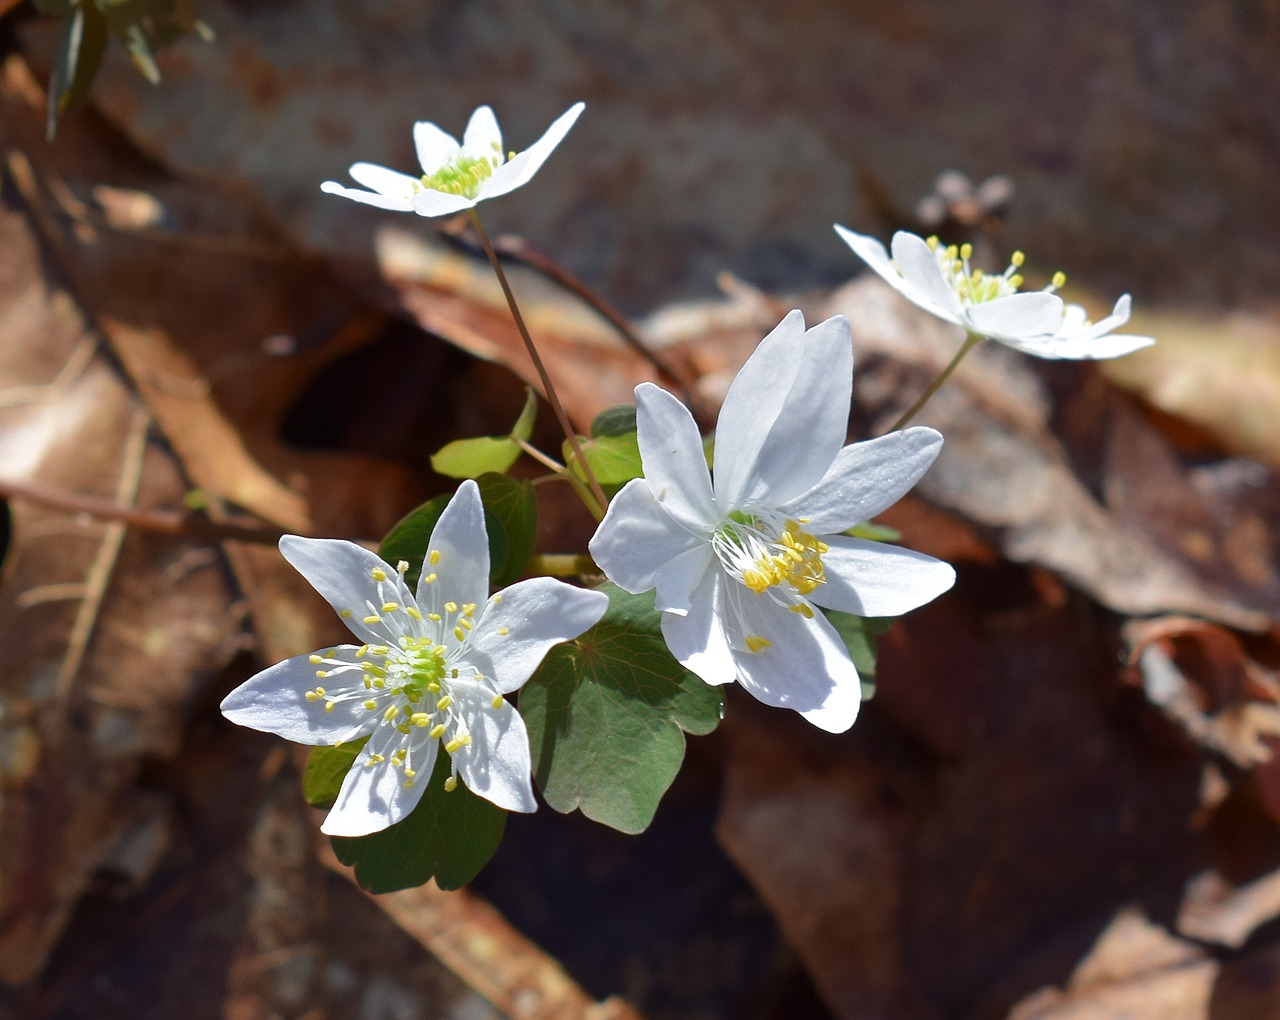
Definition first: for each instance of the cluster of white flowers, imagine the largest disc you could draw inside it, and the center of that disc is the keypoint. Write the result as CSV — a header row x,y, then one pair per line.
x,y
742,558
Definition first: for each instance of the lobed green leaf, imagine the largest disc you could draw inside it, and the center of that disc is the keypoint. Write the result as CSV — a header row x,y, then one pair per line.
x,y
326,768
859,635
607,715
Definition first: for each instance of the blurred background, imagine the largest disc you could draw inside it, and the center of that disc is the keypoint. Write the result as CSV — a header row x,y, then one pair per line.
x,y
1061,802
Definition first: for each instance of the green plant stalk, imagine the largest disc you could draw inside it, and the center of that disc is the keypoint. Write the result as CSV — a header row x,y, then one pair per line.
x,y
971,341
596,493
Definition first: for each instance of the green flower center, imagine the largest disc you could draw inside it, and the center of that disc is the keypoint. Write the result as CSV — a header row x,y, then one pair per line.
x,y
462,175
973,286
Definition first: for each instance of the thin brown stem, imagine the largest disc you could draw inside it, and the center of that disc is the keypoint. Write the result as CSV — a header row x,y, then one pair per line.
x,y
547,387
547,462
522,251
165,522
971,341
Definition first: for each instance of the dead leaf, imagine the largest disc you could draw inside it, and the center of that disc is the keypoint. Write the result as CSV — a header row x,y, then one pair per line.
x,y
1135,969
1002,468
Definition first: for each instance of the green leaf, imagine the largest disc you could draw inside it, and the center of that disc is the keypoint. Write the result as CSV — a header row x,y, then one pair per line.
x,y
511,515
614,421
326,768
859,635
408,538
448,837
874,532
84,39
470,458
607,715
523,428
614,460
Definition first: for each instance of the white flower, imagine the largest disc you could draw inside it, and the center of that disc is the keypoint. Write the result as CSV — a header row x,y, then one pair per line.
x,y
941,281
738,563
455,176
1078,339
431,667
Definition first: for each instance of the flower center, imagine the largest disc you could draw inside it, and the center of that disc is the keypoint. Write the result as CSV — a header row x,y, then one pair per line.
x,y
973,286
462,175
765,553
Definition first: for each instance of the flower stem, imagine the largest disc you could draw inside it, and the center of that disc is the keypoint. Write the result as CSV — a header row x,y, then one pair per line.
x,y
539,456
971,341
562,565
596,492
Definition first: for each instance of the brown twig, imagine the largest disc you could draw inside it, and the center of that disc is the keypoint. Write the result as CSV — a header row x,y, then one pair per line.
x,y
187,524
517,249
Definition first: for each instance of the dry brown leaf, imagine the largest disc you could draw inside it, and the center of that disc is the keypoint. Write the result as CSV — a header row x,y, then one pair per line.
x,y
118,630
1220,372
1002,468
1200,676
1214,910
1136,969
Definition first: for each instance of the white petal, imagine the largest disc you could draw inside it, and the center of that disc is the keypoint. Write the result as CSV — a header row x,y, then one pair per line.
x,y
520,170
367,197
435,147
697,639
638,540
535,615
440,203
866,479
483,137
496,764
1078,339
342,572
874,579
374,796
786,414
389,183
923,282
1084,348
1016,317
805,667
274,701
674,464
457,555
676,581
873,253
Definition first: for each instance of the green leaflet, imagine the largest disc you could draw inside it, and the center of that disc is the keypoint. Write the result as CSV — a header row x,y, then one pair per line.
x,y
470,458
607,715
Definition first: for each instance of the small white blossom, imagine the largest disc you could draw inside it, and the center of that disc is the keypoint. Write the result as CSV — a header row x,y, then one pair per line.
x,y
941,281
740,562
455,176
432,667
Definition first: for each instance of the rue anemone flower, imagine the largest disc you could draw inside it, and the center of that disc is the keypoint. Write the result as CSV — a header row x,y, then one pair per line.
x,y
431,668
455,175
940,280
743,560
